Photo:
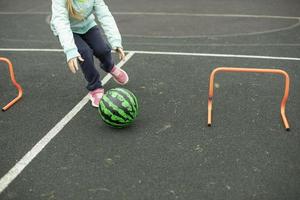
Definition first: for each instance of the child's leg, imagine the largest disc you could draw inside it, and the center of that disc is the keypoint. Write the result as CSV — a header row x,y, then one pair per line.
x,y
87,66
100,48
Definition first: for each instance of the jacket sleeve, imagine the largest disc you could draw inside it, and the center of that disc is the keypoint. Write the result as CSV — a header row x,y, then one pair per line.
x,y
108,24
61,24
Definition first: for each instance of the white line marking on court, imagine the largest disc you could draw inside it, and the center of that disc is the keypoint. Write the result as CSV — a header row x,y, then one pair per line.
x,y
166,14
178,44
28,157
28,50
30,41
214,44
216,55
292,26
204,15
24,13
172,53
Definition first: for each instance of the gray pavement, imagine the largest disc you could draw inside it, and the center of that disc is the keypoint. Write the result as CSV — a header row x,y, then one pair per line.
x,y
169,152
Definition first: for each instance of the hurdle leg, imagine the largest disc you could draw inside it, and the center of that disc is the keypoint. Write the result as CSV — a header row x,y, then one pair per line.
x,y
13,80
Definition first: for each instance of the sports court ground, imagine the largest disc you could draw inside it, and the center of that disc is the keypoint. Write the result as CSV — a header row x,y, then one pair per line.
x,y
53,145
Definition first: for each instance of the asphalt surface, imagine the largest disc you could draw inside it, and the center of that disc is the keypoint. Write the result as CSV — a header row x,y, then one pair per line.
x,y
169,152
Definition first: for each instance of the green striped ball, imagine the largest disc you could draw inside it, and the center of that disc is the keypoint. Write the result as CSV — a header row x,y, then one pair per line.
x,y
118,107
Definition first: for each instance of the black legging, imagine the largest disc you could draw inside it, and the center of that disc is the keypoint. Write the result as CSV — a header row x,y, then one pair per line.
x,y
92,44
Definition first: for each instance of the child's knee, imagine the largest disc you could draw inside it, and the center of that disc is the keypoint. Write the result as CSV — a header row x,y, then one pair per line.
x,y
102,51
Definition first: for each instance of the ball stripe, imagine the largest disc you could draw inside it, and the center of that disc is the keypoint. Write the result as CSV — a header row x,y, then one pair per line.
x,y
115,110
135,99
111,123
126,104
109,116
130,96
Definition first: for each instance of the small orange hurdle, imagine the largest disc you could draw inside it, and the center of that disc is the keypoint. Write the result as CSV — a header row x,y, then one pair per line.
x,y
232,69
13,80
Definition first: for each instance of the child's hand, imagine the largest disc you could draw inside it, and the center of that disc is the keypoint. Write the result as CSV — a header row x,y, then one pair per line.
x,y
121,53
73,63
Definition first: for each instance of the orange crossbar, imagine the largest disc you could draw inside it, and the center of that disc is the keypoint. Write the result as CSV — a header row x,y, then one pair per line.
x,y
13,80
232,69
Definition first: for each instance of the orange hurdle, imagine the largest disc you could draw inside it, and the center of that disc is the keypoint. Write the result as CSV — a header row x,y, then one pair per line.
x,y
13,80
229,69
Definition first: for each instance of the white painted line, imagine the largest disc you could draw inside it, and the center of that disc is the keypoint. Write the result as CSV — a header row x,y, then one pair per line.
x,y
28,50
213,44
165,14
36,50
216,55
174,54
28,157
24,13
289,27
204,15
285,28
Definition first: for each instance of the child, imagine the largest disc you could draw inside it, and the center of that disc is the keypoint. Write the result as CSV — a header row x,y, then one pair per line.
x,y
74,23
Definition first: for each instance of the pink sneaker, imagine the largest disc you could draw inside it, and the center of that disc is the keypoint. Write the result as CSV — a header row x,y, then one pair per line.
x,y
95,96
119,75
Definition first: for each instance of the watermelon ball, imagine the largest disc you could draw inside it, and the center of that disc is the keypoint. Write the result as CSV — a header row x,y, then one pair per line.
x,y
118,107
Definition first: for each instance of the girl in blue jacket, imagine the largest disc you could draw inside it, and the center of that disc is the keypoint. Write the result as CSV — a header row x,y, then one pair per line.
x,y
73,21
